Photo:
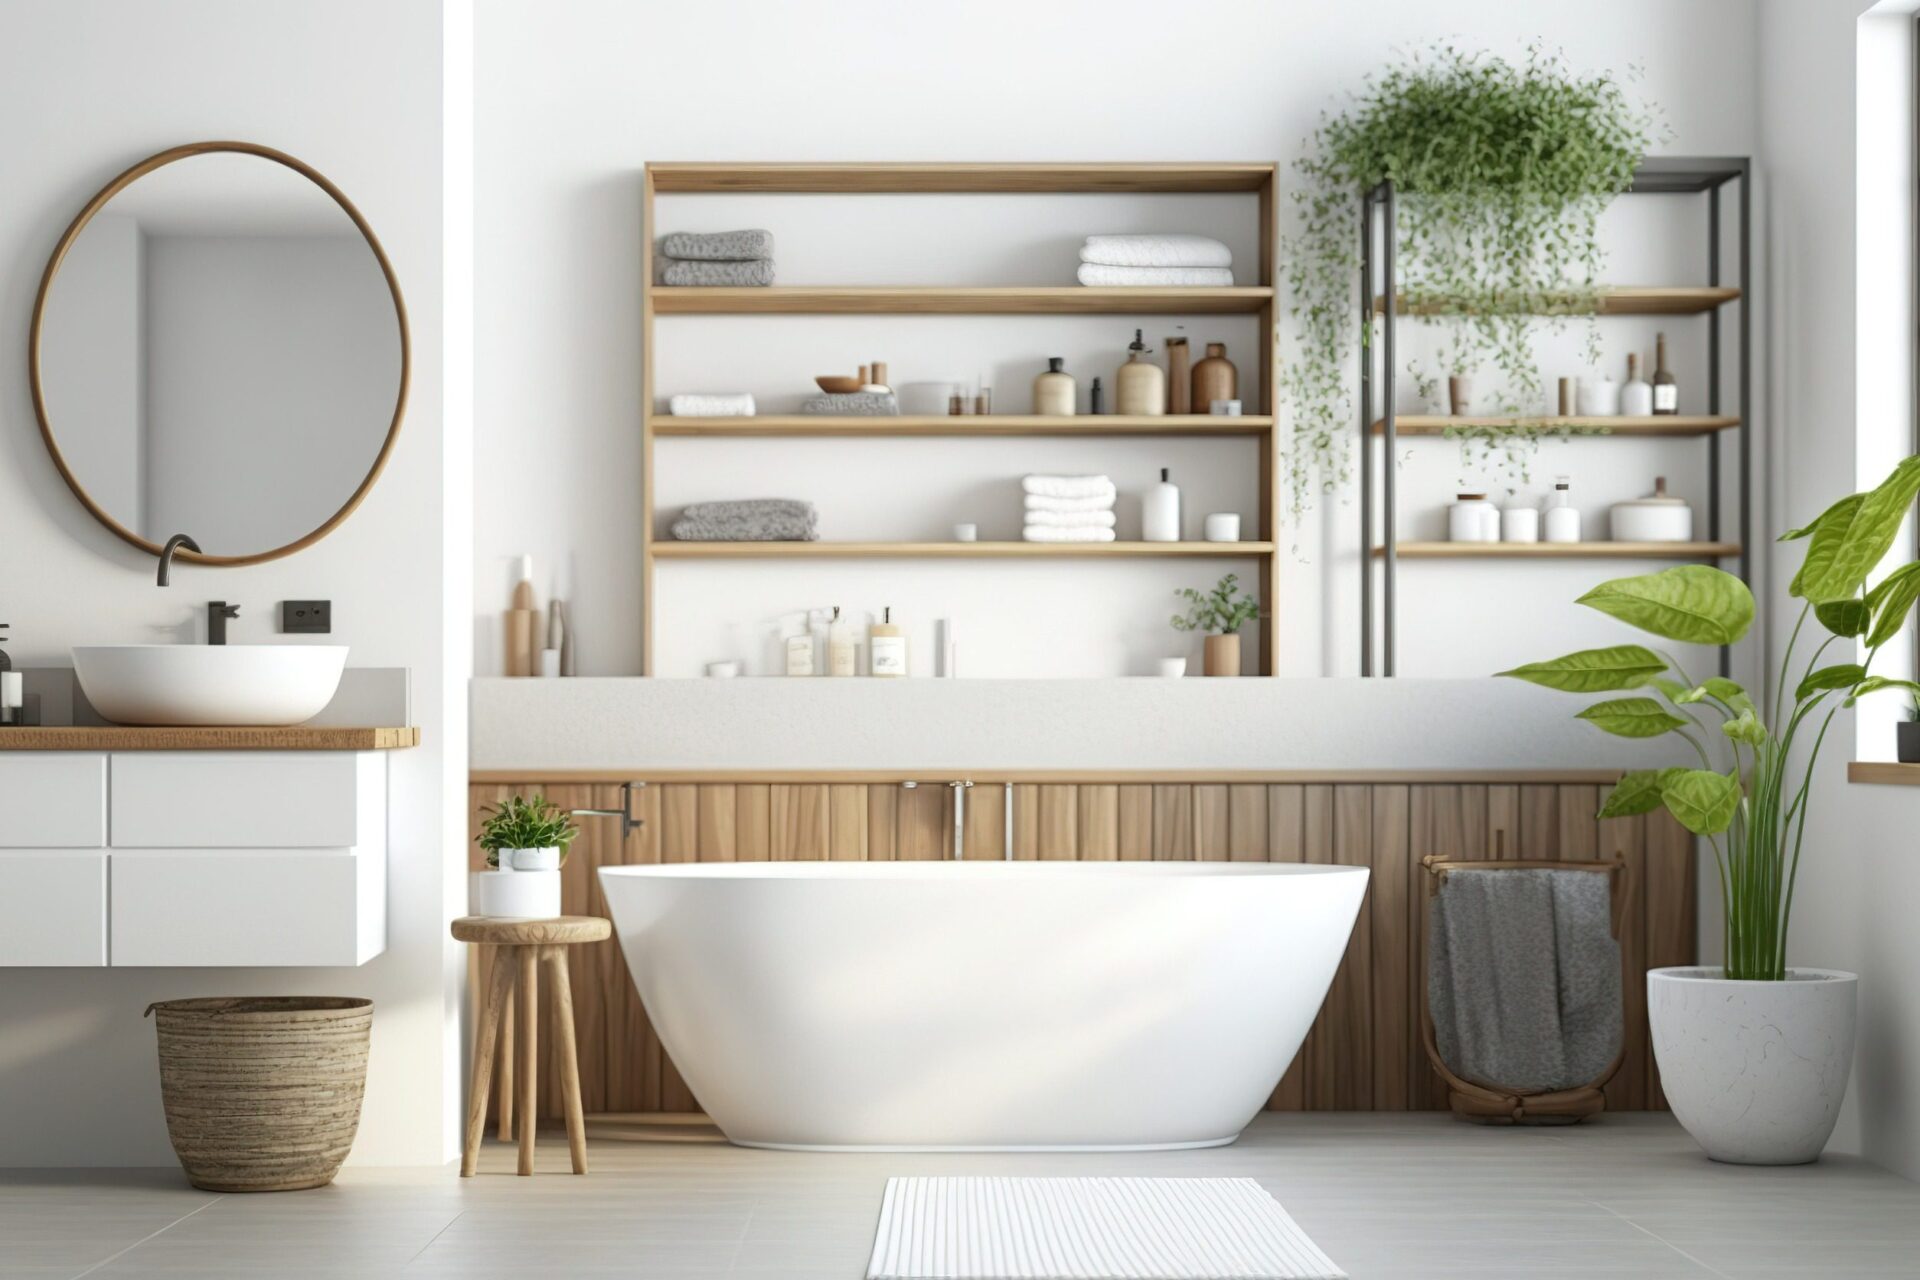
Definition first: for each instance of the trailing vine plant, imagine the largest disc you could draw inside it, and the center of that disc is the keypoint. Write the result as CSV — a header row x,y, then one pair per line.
x,y
1501,171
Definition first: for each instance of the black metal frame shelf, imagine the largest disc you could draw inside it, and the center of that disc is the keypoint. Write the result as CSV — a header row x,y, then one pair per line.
x,y
1380,301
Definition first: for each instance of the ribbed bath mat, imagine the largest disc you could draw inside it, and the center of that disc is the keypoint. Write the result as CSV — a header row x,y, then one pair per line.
x,y
1090,1229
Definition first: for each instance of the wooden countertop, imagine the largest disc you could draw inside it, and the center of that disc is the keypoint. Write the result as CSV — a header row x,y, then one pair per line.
x,y
1884,771
208,738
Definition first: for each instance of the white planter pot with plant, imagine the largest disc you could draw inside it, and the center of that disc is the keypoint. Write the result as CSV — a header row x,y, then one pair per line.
x,y
1219,614
526,841
1754,1055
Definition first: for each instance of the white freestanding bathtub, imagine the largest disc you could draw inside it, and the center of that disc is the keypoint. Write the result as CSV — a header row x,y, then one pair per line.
x,y
989,1006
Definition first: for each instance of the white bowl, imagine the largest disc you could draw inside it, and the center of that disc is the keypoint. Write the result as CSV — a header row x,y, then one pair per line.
x,y
209,684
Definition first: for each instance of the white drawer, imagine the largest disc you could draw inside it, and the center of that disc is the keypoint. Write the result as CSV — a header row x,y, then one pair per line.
x,y
248,907
248,799
53,800
53,908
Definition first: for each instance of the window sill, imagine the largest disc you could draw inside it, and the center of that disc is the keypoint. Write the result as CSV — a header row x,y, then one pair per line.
x,y
1884,771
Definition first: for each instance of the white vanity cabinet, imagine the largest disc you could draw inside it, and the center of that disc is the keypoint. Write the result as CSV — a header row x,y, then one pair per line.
x,y
201,858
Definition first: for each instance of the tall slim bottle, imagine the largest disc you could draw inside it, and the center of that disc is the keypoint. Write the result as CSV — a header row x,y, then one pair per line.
x,y
1666,391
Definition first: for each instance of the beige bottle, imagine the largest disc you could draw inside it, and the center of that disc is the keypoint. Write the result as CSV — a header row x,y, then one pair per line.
x,y
1053,391
887,646
1141,386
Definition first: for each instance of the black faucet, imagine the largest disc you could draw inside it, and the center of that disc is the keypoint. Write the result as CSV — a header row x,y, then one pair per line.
x,y
218,611
174,543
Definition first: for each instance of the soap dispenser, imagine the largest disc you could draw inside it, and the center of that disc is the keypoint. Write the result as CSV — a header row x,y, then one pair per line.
x,y
11,685
1160,511
1053,391
1140,387
887,646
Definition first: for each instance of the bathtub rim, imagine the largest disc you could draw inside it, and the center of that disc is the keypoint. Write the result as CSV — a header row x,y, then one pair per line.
x,y
979,868
1039,1149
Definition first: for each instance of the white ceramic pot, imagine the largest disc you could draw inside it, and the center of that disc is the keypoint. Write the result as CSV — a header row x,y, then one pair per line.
x,y
516,893
1658,517
547,859
1755,1071
1173,668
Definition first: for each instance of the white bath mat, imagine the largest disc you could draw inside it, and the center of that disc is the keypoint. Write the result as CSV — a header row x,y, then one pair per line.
x,y
1089,1229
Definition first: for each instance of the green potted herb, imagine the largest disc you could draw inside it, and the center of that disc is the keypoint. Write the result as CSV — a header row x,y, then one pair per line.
x,y
1753,1054
1219,614
526,834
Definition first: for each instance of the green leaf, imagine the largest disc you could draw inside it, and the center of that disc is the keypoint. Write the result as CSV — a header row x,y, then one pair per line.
x,y
1675,692
1728,692
1827,532
1874,684
1637,792
1746,727
1703,801
1631,717
1694,603
1624,666
1891,601
1844,617
1842,675
1854,546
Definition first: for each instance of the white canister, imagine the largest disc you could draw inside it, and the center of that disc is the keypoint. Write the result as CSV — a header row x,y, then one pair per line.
x,y
1599,397
547,859
1173,668
1222,526
1520,522
1655,518
966,531
1473,519
723,670
519,894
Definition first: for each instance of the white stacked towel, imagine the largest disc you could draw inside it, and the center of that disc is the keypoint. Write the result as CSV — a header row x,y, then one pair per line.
x,y
1170,259
719,405
1068,508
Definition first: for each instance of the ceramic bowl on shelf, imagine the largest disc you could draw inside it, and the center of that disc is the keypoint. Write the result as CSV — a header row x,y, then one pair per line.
x,y
833,384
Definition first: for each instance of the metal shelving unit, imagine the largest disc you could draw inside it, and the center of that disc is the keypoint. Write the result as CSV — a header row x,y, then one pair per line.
x,y
1380,302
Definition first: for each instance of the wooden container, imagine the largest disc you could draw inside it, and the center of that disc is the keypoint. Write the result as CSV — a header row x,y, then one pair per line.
x,y
262,1093
1179,373
1223,655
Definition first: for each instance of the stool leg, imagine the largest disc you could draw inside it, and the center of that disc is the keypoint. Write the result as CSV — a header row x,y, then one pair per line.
x,y
529,1032
562,986
499,996
507,1055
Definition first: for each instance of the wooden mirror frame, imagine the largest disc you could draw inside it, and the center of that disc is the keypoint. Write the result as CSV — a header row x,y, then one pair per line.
x,y
47,278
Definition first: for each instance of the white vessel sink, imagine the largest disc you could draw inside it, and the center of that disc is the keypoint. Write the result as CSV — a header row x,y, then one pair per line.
x,y
209,684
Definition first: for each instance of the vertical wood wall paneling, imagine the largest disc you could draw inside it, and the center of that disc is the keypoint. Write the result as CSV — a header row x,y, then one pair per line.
x,y
986,829
1057,835
1136,822
1395,1011
847,822
1098,821
1670,907
1173,822
1286,842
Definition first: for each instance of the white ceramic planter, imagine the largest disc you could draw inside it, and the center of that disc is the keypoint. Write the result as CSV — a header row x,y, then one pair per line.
x,y
547,859
1755,1071
516,893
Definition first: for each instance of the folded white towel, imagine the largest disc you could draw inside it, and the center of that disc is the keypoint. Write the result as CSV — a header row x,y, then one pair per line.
x,y
1098,502
1068,486
1093,273
1070,519
737,405
1047,533
1170,249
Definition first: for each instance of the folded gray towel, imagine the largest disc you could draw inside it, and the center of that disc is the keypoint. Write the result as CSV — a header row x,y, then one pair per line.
x,y
1523,977
755,273
852,404
718,246
766,529
752,509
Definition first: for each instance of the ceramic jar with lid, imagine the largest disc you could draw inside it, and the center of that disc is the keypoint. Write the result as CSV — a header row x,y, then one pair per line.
x,y
1472,518
1658,517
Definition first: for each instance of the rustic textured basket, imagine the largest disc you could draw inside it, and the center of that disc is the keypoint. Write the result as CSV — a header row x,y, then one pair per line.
x,y
263,1093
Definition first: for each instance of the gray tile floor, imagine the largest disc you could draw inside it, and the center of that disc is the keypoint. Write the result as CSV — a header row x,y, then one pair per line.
x,y
1385,1196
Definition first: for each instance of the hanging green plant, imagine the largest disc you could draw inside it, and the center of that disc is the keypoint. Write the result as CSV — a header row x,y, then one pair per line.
x,y
1500,171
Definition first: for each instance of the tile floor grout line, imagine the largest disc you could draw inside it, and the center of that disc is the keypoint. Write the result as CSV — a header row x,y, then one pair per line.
x,y
458,1214
81,1275
1698,1262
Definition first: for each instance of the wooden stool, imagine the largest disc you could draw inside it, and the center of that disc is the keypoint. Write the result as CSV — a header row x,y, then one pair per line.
x,y
519,948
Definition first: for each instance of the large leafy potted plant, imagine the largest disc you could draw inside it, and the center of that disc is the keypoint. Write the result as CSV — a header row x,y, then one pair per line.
x,y
1754,1054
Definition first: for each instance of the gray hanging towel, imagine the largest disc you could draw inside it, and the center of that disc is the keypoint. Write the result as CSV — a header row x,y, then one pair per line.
x,y
1523,977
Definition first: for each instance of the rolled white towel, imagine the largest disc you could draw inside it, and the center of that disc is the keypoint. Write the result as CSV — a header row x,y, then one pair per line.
x,y
1168,249
734,405
1098,502
1068,486
1093,273
1070,519
1047,533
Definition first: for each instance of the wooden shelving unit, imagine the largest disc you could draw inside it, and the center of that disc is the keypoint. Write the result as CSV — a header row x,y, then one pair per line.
x,y
1257,300
1563,550
1675,425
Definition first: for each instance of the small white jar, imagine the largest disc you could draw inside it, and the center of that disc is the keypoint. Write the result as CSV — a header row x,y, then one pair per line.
x,y
1520,522
1222,526
1599,397
1172,668
1473,519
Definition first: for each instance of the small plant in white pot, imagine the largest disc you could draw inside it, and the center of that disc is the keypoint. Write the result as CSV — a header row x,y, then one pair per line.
x,y
1754,1055
526,840
1219,614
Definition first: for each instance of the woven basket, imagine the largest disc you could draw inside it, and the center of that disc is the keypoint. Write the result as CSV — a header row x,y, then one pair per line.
x,y
262,1093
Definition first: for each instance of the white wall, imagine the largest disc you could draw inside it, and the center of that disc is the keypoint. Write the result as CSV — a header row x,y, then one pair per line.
x,y
1836,433
355,88
567,118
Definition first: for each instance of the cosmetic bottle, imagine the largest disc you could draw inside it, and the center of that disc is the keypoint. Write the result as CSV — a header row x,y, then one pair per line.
x,y
1636,393
1053,391
522,614
1561,520
820,627
887,644
1140,387
841,651
1214,378
1096,398
1666,390
1160,511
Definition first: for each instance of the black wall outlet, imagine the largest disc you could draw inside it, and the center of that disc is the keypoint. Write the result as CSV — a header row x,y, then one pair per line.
x,y
306,617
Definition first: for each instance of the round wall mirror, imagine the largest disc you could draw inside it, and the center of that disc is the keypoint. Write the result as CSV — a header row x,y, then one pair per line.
x,y
219,348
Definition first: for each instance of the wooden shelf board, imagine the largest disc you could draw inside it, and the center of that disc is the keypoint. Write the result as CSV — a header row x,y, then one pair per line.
x,y
1620,300
205,738
1563,550
1886,772
669,550
1415,424
958,300
851,179
1006,424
